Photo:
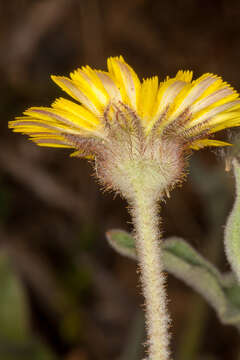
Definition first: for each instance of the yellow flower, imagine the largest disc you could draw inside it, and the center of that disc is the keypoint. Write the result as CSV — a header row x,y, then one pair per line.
x,y
134,129
191,110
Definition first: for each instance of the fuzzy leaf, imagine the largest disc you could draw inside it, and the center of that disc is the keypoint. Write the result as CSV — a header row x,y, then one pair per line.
x,y
180,259
122,242
232,230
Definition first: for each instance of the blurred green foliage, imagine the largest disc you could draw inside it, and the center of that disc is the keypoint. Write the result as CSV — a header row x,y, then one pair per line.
x,y
16,340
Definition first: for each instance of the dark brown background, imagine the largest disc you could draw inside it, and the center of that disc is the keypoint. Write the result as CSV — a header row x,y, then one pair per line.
x,y
82,296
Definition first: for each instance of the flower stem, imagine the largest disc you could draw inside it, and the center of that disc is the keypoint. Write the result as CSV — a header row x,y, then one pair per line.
x,y
149,252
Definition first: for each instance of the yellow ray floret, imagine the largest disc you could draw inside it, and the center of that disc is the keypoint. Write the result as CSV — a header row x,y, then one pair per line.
x,y
126,79
199,144
89,83
189,107
147,99
185,76
168,92
73,90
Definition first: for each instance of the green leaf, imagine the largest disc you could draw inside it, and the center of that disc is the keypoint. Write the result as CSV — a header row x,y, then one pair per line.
x,y
13,307
232,229
122,242
180,259
15,337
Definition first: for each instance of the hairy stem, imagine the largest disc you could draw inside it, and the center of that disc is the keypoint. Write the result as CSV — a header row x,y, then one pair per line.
x,y
149,253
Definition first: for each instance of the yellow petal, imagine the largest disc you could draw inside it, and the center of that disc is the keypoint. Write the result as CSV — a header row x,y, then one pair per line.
x,y
203,86
27,125
213,114
126,80
52,141
73,90
219,97
110,86
167,94
84,116
61,116
147,98
80,153
199,144
185,76
89,83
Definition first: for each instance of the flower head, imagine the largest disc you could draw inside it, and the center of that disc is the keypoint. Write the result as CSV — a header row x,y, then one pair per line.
x,y
115,117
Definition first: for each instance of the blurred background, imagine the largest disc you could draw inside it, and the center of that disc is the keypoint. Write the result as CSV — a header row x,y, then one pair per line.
x,y
64,293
